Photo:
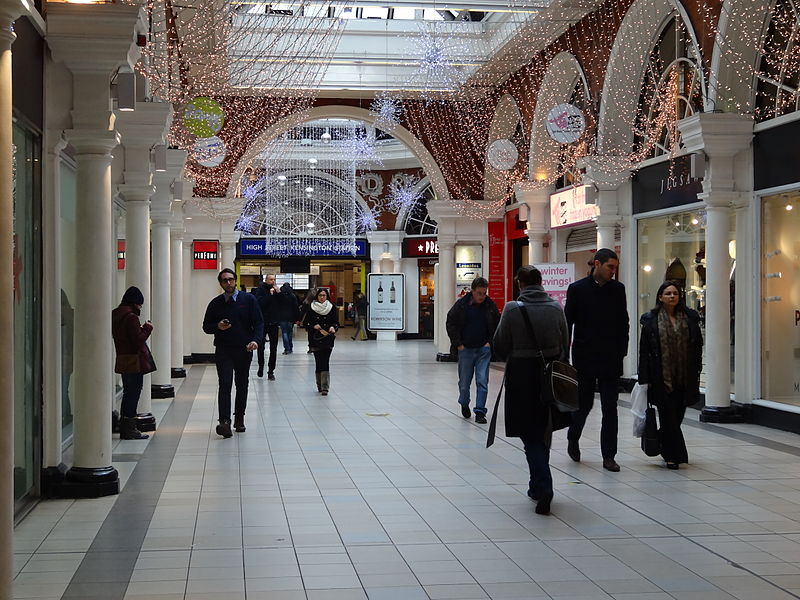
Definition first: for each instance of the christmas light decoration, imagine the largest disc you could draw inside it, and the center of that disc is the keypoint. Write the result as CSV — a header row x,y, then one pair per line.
x,y
403,193
387,110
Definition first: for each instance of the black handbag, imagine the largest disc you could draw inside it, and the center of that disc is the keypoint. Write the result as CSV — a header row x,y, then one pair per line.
x,y
651,442
322,339
559,380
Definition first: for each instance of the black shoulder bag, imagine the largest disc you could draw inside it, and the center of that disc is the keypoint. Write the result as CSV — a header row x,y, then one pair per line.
x,y
559,378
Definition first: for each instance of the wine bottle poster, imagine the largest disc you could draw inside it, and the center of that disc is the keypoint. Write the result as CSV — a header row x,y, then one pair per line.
x,y
386,298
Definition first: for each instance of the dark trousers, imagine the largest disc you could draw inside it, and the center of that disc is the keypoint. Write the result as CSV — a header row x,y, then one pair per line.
x,y
322,359
233,366
271,334
538,456
131,390
609,395
670,416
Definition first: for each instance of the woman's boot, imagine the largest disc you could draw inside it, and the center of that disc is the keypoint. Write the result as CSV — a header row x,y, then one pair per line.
x,y
326,382
128,431
318,376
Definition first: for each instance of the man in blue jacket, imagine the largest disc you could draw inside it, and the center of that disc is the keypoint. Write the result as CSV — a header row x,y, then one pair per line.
x,y
234,319
597,316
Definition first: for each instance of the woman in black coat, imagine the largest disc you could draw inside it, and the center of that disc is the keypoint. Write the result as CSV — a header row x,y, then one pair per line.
x,y
670,361
321,320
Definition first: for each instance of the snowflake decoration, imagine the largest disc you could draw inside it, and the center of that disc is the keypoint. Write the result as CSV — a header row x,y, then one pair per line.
x,y
437,49
368,219
387,110
246,224
403,193
361,148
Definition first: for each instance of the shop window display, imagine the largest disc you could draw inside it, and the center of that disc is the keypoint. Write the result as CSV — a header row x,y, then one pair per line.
x,y
674,247
780,298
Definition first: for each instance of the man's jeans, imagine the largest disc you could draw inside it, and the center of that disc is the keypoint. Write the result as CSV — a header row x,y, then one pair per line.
x,y
286,331
474,360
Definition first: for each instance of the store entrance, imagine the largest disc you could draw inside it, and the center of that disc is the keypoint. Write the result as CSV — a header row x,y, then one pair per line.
x,y
343,278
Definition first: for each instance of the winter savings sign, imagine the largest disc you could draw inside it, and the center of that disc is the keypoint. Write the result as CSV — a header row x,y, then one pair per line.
x,y
556,279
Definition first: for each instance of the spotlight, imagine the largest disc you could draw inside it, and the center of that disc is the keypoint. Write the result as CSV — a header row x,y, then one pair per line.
x,y
126,92
160,158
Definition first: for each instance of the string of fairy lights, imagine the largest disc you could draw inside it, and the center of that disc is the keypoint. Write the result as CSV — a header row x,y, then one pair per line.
x,y
645,70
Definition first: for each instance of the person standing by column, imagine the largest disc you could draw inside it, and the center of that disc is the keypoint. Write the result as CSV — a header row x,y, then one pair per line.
x,y
597,316
235,321
471,324
267,296
361,317
287,311
134,359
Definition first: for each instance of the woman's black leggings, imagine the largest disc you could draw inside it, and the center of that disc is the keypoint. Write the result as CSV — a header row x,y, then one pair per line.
x,y
322,358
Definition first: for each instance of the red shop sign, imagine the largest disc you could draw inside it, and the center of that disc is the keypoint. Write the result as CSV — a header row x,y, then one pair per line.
x,y
205,255
120,255
497,263
420,247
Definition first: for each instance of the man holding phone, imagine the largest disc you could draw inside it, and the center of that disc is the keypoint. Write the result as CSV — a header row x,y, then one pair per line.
x,y
234,319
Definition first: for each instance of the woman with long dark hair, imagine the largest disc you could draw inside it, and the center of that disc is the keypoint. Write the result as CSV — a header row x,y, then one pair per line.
x,y
321,320
670,361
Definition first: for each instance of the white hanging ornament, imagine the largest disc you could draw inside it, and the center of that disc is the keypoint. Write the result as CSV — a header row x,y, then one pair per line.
x,y
387,110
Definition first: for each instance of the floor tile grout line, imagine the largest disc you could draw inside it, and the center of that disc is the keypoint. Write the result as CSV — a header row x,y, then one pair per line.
x,y
167,441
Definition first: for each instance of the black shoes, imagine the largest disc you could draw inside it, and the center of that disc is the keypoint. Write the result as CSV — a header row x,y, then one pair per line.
x,y
609,464
574,451
465,412
543,504
224,428
480,418
128,430
260,371
673,466
238,424
271,376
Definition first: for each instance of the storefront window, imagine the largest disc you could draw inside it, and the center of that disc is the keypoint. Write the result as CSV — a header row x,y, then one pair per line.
x,y
780,291
68,189
26,334
673,247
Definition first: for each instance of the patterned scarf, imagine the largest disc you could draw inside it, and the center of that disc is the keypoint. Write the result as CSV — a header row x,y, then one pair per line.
x,y
674,342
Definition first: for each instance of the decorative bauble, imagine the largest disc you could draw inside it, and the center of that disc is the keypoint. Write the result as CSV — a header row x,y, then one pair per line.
x,y
203,117
502,154
565,123
209,152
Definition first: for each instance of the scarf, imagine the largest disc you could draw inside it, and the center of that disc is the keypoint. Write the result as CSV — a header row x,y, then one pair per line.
x,y
674,342
321,308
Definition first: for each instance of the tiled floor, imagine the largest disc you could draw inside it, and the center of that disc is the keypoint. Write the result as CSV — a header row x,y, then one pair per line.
x,y
383,491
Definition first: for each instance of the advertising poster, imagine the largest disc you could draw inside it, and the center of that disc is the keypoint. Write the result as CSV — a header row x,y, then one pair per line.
x,y
497,263
468,267
556,279
386,297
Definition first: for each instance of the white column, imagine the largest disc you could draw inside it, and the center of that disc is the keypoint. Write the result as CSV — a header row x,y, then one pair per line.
x,y
9,11
176,300
721,136
93,346
445,289
162,308
537,200
137,272
607,175
228,255
186,296
747,268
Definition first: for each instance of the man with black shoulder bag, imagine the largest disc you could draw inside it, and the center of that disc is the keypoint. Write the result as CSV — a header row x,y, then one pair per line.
x,y
532,333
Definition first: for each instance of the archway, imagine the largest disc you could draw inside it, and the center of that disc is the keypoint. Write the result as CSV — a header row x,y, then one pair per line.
x,y
507,126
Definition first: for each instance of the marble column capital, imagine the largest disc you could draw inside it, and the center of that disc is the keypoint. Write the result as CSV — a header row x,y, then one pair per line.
x,y
720,199
10,11
93,141
719,135
606,172
446,242
136,192
533,192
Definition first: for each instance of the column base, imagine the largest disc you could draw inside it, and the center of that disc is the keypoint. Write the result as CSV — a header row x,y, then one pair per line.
x,y
162,390
446,357
722,414
83,482
145,422
177,372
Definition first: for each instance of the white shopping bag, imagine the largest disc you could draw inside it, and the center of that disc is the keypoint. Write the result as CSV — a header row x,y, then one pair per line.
x,y
638,408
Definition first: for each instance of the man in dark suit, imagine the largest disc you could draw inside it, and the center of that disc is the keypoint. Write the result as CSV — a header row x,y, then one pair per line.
x,y
267,295
235,321
597,317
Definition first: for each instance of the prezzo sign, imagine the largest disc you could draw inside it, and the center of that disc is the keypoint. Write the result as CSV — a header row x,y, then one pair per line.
x,y
556,279
205,255
386,308
314,247
420,247
570,208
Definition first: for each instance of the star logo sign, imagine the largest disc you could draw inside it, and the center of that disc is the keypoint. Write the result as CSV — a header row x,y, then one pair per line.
x,y
420,247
